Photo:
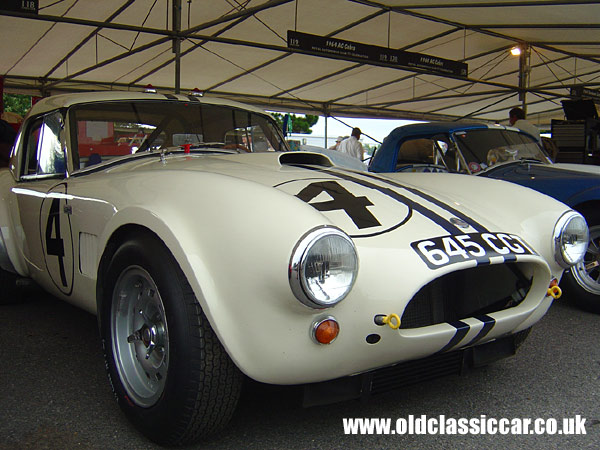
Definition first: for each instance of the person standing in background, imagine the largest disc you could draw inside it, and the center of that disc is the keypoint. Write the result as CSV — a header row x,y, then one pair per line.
x,y
352,146
516,118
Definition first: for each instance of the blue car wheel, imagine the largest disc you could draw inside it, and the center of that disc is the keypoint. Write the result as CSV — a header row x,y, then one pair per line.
x,y
582,283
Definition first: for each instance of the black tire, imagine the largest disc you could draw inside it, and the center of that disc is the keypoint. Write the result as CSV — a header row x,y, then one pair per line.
x,y
9,291
188,387
581,284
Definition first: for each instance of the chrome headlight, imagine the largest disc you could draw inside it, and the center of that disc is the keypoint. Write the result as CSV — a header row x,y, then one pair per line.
x,y
323,267
571,238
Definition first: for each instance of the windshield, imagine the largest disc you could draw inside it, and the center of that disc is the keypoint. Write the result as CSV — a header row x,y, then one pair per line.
x,y
102,131
470,151
427,151
484,148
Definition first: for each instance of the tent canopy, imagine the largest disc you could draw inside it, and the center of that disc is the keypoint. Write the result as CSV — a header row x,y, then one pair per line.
x,y
239,49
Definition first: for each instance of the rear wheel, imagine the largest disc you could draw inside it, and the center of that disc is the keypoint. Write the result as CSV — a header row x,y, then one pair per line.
x,y
169,372
582,283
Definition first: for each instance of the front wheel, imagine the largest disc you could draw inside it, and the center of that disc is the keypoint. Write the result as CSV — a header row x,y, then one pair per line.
x,y
169,372
582,283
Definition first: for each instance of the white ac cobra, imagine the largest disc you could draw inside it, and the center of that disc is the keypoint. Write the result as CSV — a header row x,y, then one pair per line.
x,y
207,251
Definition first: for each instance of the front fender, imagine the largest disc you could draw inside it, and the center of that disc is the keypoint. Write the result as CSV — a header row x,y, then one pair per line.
x,y
234,246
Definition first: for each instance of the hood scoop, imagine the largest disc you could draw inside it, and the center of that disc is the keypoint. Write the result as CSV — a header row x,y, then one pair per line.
x,y
304,158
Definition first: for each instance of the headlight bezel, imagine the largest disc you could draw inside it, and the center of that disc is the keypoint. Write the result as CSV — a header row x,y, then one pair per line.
x,y
561,254
297,266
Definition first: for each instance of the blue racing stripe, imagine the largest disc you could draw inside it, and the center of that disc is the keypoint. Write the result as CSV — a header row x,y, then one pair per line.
x,y
473,223
488,324
462,329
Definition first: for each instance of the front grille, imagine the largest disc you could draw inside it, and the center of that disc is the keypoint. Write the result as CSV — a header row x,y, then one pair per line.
x,y
466,293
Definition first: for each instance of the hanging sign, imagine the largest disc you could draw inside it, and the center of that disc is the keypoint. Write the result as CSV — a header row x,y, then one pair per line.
x,y
583,92
382,56
25,6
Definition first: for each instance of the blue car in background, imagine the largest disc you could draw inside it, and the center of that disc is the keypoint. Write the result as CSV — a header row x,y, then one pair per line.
x,y
508,154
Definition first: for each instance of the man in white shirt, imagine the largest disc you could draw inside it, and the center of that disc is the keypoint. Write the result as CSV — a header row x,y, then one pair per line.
x,y
352,146
516,118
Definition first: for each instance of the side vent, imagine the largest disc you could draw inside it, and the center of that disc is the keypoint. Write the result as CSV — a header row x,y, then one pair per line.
x,y
313,159
88,253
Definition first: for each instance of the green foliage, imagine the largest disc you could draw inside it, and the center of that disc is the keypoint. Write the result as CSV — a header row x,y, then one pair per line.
x,y
17,103
300,124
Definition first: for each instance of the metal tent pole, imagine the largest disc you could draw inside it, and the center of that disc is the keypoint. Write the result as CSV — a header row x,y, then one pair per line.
x,y
177,43
524,69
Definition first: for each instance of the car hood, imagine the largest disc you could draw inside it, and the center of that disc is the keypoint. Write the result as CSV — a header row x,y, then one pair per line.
x,y
360,203
585,168
512,171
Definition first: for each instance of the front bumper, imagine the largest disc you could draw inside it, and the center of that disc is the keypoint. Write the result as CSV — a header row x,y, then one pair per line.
x,y
387,379
274,344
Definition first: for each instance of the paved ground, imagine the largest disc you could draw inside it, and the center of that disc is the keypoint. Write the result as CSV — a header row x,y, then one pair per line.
x,y
54,392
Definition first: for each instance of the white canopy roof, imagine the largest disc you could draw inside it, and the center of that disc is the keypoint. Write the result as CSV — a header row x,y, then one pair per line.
x,y
238,49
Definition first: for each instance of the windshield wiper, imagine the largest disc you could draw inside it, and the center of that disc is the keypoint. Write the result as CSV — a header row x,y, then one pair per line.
x,y
530,160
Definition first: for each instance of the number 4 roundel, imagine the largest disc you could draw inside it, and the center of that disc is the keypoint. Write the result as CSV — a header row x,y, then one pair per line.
x,y
57,241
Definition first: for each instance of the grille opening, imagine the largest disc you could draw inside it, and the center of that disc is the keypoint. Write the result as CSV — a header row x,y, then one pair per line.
x,y
466,293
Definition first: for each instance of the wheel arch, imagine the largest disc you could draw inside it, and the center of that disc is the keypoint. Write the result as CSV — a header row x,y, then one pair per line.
x,y
127,231
117,238
160,231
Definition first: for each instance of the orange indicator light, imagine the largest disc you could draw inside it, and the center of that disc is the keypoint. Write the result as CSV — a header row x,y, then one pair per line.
x,y
326,331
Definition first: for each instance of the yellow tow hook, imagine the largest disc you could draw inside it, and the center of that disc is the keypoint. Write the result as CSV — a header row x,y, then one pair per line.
x,y
391,320
554,292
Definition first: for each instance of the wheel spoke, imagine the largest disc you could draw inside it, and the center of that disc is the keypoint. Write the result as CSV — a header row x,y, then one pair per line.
x,y
150,349
592,265
144,316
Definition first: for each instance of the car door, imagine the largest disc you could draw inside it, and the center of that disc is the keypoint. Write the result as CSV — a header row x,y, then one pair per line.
x,y
43,203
